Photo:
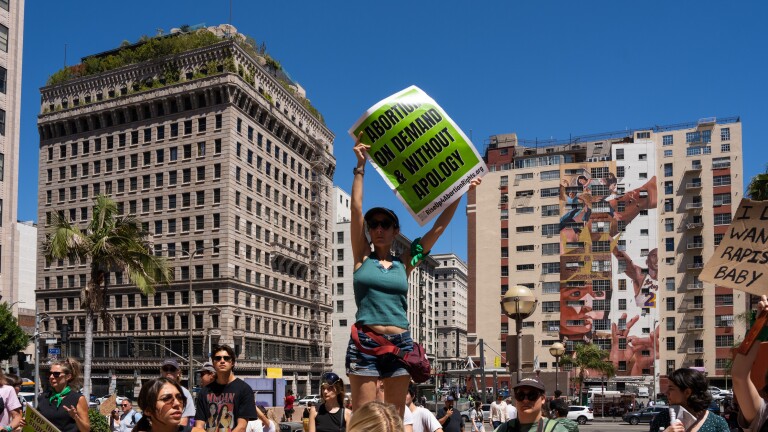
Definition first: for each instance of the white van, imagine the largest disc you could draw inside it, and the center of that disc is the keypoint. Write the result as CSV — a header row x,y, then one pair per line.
x,y
642,392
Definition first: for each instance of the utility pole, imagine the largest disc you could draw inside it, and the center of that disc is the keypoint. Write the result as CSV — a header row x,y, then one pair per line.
x,y
482,368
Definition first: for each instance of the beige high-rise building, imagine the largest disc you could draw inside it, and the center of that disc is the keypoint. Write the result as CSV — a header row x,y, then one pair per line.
x,y
11,48
450,311
230,169
610,231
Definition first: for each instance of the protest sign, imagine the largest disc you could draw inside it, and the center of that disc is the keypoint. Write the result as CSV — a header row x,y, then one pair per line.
x,y
35,422
108,405
741,260
419,151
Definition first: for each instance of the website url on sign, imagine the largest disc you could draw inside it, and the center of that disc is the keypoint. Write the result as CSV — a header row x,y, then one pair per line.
x,y
448,194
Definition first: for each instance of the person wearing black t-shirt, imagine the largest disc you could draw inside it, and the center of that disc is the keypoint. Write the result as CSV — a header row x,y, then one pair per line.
x,y
227,404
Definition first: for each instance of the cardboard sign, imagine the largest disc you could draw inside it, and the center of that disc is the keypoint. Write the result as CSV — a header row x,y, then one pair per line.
x,y
420,152
741,260
108,405
35,422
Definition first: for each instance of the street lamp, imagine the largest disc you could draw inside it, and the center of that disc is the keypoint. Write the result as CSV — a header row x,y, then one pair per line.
x,y
190,383
557,350
519,303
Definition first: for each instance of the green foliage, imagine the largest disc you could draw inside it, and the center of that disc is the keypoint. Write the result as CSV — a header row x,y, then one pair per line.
x,y
229,65
99,422
273,64
12,337
589,357
150,49
758,187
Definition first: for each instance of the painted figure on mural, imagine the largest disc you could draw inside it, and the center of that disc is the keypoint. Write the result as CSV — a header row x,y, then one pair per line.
x,y
580,306
630,348
644,280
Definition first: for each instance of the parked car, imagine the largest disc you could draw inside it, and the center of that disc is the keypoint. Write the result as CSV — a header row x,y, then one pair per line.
x,y
645,415
291,427
118,400
486,413
581,414
309,398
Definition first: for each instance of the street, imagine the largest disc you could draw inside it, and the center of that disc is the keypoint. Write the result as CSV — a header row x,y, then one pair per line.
x,y
599,426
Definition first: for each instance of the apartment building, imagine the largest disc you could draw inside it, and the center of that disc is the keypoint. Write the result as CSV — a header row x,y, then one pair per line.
x,y
450,312
11,49
230,170
610,232
422,284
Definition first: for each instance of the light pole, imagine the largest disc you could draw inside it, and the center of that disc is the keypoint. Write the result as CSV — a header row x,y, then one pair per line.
x,y
190,379
519,303
557,350
38,319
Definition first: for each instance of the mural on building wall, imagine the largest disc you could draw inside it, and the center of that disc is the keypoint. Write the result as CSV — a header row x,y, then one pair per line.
x,y
597,303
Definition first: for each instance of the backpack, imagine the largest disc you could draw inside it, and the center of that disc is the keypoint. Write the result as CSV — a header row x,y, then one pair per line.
x,y
545,425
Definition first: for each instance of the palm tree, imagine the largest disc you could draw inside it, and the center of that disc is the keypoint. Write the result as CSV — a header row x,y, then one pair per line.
x,y
111,243
589,357
758,187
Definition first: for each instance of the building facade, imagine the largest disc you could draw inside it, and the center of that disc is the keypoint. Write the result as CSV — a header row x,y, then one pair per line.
x,y
450,312
11,49
231,174
610,232
422,284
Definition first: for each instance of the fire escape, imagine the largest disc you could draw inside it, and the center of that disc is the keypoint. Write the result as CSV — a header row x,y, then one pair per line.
x,y
319,343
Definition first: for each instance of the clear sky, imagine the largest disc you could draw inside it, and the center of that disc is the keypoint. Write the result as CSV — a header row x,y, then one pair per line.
x,y
542,69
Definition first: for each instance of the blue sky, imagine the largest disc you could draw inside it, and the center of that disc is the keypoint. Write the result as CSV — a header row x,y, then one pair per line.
x,y
542,69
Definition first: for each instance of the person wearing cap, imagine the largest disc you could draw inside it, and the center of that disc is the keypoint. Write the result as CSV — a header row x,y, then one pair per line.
x,y
380,282
330,415
207,374
170,369
450,418
498,411
530,397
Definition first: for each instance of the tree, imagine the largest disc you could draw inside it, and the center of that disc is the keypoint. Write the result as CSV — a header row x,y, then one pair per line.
x,y
12,337
589,357
758,187
111,243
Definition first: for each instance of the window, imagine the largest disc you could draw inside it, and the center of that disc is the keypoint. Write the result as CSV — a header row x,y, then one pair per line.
x,y
550,268
717,199
519,248
550,175
725,134
550,306
550,192
550,229
723,219
550,210
524,176
523,229
620,154
723,341
525,267
721,180
3,38
670,343
668,171
667,153
3,79
667,140
550,249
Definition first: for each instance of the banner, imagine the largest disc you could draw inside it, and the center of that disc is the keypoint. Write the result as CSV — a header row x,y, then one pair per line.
x,y
420,152
741,260
35,422
274,372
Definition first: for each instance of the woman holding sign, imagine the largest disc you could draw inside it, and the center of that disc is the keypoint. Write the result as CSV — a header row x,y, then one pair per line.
x,y
380,282
64,405
754,411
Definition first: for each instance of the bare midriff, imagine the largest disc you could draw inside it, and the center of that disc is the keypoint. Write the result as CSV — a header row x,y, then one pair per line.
x,y
386,329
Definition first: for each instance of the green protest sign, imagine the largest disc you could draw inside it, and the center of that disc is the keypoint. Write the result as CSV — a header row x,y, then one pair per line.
x,y
420,152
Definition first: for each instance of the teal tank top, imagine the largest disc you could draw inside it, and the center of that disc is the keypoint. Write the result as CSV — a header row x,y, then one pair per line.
x,y
381,295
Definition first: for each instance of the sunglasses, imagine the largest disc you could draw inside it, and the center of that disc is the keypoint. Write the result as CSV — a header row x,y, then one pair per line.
x,y
56,374
384,224
331,378
168,369
168,398
220,358
125,405
531,396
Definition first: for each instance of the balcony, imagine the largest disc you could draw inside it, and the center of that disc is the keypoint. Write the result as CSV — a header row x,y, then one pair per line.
x,y
696,266
694,225
695,350
696,286
695,245
693,185
721,165
696,306
694,167
693,327
694,206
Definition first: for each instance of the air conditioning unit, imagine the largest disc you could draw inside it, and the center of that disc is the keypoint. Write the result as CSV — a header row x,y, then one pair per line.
x,y
605,158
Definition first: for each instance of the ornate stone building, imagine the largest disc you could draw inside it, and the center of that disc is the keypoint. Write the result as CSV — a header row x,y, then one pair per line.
x,y
230,170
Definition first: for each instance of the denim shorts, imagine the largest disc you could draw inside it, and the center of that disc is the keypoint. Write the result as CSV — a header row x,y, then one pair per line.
x,y
386,366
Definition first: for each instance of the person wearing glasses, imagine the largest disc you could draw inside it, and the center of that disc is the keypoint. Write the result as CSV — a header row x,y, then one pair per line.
x,y
162,401
380,282
207,374
530,397
64,405
227,404
128,417
330,415
170,369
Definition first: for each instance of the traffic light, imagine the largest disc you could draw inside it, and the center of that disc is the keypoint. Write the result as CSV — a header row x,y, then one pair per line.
x,y
64,333
22,358
130,346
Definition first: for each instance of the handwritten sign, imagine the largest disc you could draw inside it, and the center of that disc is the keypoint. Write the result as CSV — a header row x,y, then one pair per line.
x,y
35,422
420,152
741,260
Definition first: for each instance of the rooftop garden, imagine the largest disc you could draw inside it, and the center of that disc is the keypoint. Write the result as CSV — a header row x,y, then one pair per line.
x,y
149,49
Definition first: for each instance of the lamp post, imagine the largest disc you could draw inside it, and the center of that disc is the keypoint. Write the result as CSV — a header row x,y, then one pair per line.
x,y
39,317
519,303
190,379
557,350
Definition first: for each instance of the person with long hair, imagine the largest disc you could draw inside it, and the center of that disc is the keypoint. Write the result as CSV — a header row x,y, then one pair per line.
x,y
330,415
162,404
376,416
380,281
64,405
10,414
754,410
689,389
476,417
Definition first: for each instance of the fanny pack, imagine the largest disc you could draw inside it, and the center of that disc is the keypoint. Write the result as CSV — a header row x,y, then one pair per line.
x,y
415,361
